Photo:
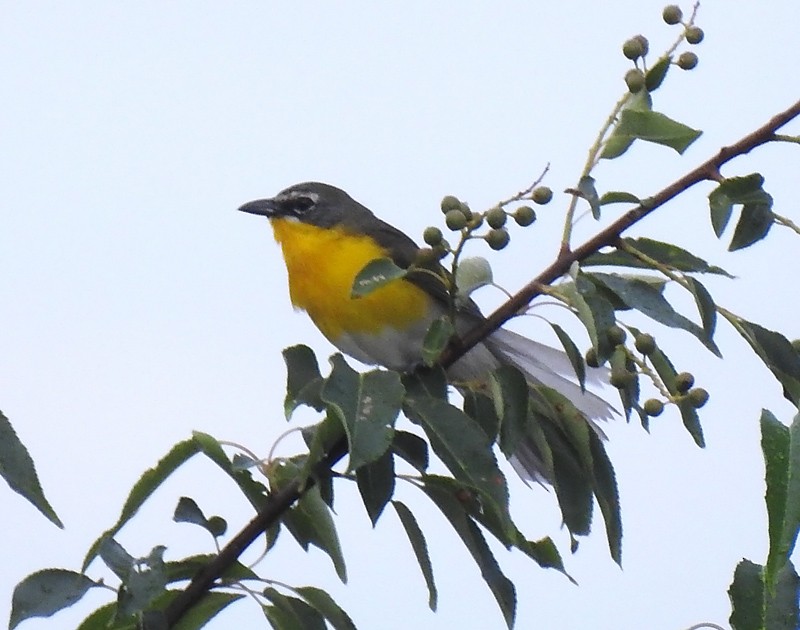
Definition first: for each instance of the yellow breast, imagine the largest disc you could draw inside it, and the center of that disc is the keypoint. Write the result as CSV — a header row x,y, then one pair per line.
x,y
322,264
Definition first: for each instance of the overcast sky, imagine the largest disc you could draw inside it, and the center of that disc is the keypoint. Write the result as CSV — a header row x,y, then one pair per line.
x,y
139,306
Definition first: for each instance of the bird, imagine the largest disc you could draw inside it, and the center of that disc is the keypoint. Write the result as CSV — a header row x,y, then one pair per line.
x,y
327,238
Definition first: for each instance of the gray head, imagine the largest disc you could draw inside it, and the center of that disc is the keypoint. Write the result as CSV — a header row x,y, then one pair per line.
x,y
314,203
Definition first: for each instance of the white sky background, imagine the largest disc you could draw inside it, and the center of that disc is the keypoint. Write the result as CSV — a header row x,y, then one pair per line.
x,y
139,306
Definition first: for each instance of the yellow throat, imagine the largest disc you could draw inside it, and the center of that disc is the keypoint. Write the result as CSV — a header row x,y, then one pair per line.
x,y
322,264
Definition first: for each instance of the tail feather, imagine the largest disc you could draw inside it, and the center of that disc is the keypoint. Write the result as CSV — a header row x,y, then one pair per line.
x,y
548,366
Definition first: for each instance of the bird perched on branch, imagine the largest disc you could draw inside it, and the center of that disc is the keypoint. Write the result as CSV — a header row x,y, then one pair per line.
x,y
327,238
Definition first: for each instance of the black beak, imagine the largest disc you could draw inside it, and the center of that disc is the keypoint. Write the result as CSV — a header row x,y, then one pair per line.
x,y
264,207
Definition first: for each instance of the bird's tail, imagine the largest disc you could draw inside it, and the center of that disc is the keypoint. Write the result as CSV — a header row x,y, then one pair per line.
x,y
548,366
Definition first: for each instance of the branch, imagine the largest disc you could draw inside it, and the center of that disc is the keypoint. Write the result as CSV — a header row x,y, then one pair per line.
x,y
279,502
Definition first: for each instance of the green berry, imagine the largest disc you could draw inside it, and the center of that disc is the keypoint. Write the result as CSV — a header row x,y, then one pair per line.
x,y
432,236
455,220
634,79
497,238
687,60
616,335
591,358
645,44
796,344
496,217
621,378
694,35
542,195
653,407
635,47
450,203
684,382
468,214
524,215
697,397
425,256
672,14
644,343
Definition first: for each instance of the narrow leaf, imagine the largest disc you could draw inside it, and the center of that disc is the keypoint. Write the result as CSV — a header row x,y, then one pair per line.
x,y
596,314
376,484
509,389
420,548
502,588
367,405
605,489
747,597
705,305
411,448
589,193
648,300
303,379
655,75
187,511
618,197
574,355
17,468
296,613
376,274
754,223
778,355
783,603
733,191
143,488
436,340
655,127
327,607
44,593
212,603
463,447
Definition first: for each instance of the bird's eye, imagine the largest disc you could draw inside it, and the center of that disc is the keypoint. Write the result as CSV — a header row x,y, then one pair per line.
x,y
299,205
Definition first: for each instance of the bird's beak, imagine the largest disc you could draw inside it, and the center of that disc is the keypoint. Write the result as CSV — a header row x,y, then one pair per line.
x,y
264,207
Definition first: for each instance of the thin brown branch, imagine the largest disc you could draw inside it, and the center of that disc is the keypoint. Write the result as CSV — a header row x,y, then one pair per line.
x,y
279,502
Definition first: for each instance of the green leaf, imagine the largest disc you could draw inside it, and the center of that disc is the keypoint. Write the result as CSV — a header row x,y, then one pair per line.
x,y
754,223
436,340
212,603
544,552
44,593
327,607
376,274
605,489
588,192
509,389
303,379
733,191
692,422
420,548
426,382
501,587
472,273
367,406
747,597
294,612
309,520
705,305
116,558
778,355
783,604
781,448
574,355
143,488
667,254
17,468
411,448
618,197
653,127
186,568
143,579
480,407
655,75
622,363
376,484
648,300
463,447
187,511
596,314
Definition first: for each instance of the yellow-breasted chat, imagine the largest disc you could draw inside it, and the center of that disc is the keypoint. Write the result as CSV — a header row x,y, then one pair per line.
x,y
327,238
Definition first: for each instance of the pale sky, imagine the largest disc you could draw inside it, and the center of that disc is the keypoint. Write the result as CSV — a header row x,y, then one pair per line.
x,y
139,306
